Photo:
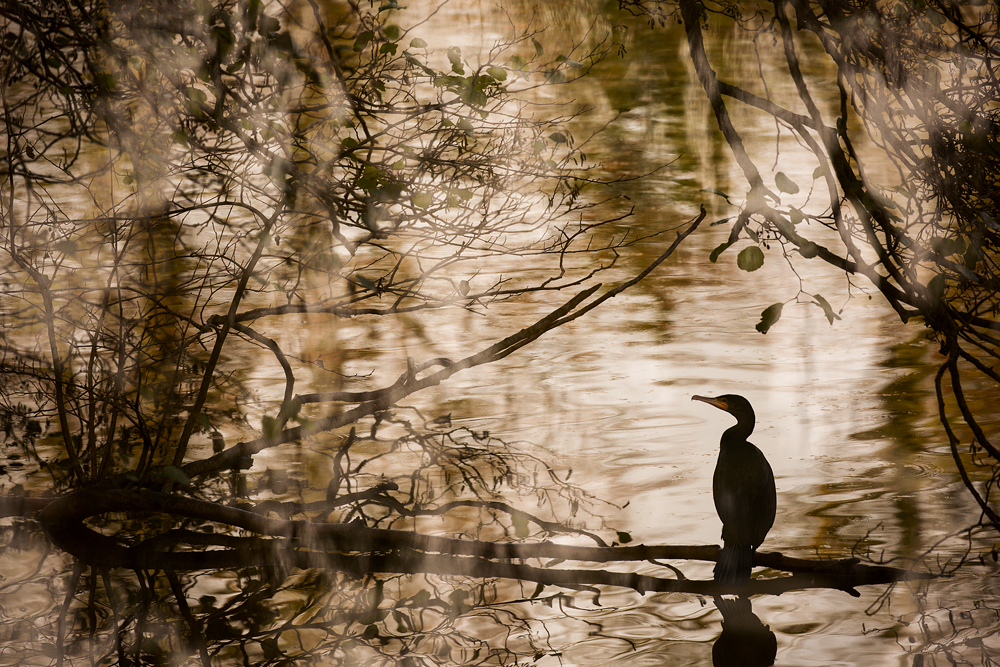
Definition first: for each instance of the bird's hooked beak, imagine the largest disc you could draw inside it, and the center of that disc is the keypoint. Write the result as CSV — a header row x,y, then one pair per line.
x,y
716,402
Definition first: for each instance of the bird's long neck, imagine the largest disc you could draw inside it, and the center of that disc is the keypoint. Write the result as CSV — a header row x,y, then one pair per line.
x,y
737,435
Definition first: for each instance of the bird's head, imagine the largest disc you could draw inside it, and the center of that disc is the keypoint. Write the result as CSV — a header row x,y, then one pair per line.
x,y
734,404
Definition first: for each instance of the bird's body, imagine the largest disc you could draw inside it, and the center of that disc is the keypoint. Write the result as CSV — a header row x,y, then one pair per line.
x,y
744,492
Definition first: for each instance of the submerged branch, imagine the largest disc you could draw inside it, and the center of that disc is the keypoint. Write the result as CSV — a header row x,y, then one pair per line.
x,y
330,545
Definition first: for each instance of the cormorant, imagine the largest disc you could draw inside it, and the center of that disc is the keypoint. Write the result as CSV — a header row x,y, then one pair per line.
x,y
743,488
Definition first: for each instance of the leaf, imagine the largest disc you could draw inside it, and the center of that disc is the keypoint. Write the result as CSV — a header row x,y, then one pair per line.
x,y
624,537
948,246
270,426
538,47
176,475
498,73
796,215
421,199
455,57
785,184
820,171
827,309
417,43
808,249
719,250
538,591
717,192
558,137
750,259
520,524
769,316
935,288
362,41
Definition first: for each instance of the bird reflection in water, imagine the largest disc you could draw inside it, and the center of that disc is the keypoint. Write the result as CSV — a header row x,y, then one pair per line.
x,y
743,488
745,641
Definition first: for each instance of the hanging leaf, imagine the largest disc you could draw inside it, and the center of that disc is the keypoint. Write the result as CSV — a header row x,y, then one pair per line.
x,y
624,537
827,308
769,316
785,184
717,192
750,259
417,43
935,288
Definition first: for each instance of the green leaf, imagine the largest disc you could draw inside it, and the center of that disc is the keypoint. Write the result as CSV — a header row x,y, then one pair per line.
x,y
624,537
538,47
820,171
750,259
520,525
827,309
796,215
785,184
388,47
392,32
417,43
498,73
421,199
558,137
717,192
948,246
362,41
455,57
935,288
270,426
719,250
176,475
769,316
808,249
267,24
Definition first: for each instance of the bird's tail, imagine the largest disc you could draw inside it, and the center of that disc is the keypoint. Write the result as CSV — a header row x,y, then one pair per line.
x,y
734,565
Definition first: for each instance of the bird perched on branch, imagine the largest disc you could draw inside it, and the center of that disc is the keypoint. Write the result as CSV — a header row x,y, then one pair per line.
x,y
743,488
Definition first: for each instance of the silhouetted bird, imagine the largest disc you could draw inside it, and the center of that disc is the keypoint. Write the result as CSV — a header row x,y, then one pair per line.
x,y
743,488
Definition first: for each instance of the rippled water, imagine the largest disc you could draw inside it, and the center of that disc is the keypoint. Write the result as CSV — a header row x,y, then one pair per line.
x,y
846,413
